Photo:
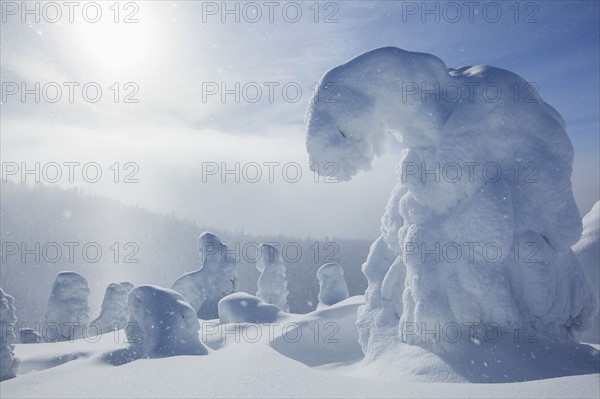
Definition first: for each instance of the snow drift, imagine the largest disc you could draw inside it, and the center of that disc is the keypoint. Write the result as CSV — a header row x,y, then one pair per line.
x,y
272,283
68,310
332,285
480,226
8,362
216,278
165,325
587,251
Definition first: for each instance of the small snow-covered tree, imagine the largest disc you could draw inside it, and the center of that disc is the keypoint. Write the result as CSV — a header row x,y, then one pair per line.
x,y
113,313
241,307
216,278
128,286
383,304
8,362
272,283
332,285
68,309
164,324
29,336
587,250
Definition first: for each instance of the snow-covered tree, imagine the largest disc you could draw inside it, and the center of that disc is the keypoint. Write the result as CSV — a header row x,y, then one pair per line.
x,y
164,324
113,312
474,174
128,286
332,284
272,283
587,250
29,336
383,307
8,362
68,309
216,278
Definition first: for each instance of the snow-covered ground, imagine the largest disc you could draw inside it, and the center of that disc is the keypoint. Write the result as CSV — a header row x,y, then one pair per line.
x,y
279,363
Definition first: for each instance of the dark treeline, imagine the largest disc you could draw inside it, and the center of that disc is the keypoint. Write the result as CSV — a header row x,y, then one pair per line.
x,y
47,229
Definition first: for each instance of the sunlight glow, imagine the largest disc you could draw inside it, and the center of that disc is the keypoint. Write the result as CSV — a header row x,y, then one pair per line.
x,y
117,47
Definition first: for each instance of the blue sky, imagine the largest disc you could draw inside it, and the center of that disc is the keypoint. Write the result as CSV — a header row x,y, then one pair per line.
x,y
176,49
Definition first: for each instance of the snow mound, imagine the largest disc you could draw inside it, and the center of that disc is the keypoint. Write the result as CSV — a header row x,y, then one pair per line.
x,y
245,308
332,285
8,362
113,312
68,309
481,223
272,283
587,251
204,288
324,337
165,325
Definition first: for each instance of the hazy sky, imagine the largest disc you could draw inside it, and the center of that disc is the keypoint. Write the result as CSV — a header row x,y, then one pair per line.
x,y
179,56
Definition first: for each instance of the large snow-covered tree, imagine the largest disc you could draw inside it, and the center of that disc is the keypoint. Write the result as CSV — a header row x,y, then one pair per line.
x,y
480,225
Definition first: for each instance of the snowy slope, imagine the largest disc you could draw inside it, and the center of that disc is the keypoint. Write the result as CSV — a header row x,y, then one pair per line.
x,y
249,369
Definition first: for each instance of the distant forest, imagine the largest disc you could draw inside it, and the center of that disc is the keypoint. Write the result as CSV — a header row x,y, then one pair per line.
x,y
47,229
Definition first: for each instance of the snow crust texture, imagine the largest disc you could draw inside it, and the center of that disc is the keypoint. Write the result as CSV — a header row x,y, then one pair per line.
x,y
332,285
587,251
272,283
480,226
8,362
165,324
68,309
216,278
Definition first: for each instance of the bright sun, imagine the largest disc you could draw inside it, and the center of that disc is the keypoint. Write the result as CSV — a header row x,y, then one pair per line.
x,y
117,47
